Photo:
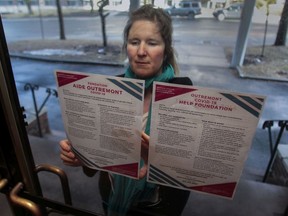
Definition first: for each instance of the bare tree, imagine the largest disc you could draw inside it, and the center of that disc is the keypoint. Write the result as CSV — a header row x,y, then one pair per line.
x,y
29,6
282,28
101,4
261,3
92,5
134,5
61,22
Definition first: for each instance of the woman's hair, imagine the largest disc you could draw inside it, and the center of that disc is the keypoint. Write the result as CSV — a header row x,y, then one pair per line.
x,y
164,23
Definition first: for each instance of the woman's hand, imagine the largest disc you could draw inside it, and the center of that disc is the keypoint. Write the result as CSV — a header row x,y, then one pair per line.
x,y
67,156
144,154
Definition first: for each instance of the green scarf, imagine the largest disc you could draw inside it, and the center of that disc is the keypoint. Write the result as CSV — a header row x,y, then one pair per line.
x,y
127,190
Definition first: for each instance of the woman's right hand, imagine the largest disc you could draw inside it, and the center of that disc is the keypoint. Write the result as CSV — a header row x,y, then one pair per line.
x,y
144,154
67,156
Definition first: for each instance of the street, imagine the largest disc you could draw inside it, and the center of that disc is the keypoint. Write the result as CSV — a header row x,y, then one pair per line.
x,y
200,30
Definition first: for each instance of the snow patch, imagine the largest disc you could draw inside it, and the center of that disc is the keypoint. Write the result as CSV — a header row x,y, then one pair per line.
x,y
50,52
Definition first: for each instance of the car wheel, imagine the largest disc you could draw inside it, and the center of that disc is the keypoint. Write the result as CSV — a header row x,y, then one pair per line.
x,y
221,17
191,16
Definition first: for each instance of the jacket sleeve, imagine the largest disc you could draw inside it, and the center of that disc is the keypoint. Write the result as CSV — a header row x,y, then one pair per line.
x,y
88,171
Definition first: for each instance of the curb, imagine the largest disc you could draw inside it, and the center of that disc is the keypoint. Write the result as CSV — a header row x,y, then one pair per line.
x,y
70,61
242,75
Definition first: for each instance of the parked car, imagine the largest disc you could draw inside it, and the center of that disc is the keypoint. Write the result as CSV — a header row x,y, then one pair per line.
x,y
185,8
234,11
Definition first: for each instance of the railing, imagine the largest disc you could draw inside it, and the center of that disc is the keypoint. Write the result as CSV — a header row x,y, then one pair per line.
x,y
63,179
33,88
283,125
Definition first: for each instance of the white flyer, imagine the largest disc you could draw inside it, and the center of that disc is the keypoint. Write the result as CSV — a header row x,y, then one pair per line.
x,y
200,137
102,117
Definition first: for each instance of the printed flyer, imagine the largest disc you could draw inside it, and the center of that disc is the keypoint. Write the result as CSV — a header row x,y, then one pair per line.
x,y
102,116
200,137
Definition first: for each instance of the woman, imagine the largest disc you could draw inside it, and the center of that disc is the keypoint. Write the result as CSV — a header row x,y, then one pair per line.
x,y
148,45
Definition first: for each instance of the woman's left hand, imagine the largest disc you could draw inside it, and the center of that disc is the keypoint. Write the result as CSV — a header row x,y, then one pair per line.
x,y
144,154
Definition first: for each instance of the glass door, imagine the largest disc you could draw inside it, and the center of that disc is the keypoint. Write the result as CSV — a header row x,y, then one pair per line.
x,y
19,175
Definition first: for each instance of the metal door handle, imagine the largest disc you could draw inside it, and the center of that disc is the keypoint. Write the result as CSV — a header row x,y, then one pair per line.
x,y
3,183
27,204
63,178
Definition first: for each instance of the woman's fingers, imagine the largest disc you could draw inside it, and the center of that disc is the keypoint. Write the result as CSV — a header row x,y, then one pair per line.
x,y
143,171
144,154
145,137
145,140
71,161
66,149
65,145
66,154
68,161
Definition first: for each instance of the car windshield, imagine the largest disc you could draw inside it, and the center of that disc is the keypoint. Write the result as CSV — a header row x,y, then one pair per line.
x,y
184,5
233,8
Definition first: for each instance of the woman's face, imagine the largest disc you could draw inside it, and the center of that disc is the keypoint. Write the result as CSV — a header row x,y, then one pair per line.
x,y
145,49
